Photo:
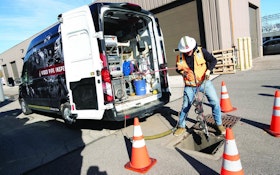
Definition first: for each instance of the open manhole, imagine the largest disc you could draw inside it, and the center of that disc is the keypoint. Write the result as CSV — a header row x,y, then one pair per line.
x,y
197,143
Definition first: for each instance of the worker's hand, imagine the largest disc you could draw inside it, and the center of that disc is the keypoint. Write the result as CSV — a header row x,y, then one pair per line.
x,y
180,66
207,74
185,74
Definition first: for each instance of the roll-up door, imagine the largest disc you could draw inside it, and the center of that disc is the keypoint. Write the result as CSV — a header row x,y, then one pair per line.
x,y
177,21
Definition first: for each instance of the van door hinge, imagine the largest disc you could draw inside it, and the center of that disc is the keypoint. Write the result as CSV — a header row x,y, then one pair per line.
x,y
98,35
98,72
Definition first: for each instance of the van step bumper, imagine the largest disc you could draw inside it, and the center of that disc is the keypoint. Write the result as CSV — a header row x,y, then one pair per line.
x,y
140,112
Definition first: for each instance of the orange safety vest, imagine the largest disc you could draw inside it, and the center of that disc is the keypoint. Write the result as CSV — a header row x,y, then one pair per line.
x,y
199,68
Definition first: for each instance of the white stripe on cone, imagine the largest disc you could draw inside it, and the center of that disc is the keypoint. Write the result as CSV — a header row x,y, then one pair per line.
x,y
277,102
137,131
232,165
138,143
276,113
224,96
224,89
231,148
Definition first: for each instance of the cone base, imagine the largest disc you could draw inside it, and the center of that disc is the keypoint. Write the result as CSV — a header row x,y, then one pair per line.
x,y
229,110
226,172
275,134
141,170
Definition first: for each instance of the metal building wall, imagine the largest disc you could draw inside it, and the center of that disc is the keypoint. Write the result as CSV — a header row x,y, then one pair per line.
x,y
227,20
241,22
13,59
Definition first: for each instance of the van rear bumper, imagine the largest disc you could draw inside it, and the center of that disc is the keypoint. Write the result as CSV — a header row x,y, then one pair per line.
x,y
140,112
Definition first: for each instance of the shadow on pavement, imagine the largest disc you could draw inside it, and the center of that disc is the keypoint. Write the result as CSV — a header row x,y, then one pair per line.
x,y
269,86
27,144
5,102
96,125
67,164
167,113
198,166
11,113
128,144
267,95
101,124
254,123
95,170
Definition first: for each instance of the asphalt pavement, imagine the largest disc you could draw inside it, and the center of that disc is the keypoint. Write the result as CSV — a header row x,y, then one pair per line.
x,y
251,92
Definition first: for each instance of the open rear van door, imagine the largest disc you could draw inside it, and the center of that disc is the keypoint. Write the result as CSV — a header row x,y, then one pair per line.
x,y
82,64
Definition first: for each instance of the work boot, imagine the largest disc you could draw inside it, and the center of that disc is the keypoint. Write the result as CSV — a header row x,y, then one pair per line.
x,y
221,129
179,131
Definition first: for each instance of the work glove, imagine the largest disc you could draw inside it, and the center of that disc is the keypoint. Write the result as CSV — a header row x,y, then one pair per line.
x,y
207,74
185,74
180,66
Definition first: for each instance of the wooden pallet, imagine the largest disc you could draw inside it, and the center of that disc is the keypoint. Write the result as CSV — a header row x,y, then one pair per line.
x,y
225,61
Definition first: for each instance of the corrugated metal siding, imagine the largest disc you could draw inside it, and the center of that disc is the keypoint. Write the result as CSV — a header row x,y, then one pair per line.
x,y
145,4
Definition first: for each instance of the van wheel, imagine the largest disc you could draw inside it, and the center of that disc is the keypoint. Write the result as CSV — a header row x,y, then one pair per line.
x,y
66,114
24,107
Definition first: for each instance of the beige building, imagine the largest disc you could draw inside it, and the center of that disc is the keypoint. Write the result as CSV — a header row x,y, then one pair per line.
x,y
215,24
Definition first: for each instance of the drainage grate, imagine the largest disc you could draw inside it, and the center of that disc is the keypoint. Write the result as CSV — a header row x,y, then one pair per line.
x,y
228,121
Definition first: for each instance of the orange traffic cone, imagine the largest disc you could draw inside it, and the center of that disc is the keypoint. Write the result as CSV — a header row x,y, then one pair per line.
x,y
275,119
140,160
225,101
231,160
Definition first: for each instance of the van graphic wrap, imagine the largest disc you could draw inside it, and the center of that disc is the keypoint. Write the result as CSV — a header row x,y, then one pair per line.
x,y
43,72
56,69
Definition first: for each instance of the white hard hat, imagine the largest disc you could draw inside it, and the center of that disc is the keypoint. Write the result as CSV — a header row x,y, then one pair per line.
x,y
186,44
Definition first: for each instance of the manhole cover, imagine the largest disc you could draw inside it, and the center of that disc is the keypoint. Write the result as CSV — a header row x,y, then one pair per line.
x,y
228,121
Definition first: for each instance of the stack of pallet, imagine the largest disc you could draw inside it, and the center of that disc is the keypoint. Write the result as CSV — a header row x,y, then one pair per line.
x,y
225,61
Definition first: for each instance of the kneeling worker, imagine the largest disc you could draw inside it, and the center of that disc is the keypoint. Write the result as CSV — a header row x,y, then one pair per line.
x,y
195,64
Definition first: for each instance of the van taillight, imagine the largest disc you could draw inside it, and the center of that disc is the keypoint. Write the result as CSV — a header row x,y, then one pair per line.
x,y
107,85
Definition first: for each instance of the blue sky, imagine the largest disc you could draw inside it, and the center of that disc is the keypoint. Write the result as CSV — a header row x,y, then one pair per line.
x,y
21,19
269,7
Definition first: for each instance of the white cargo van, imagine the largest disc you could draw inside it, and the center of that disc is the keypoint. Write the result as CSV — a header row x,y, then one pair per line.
x,y
102,61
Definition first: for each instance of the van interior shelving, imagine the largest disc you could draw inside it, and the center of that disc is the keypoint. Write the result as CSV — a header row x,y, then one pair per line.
x,y
129,41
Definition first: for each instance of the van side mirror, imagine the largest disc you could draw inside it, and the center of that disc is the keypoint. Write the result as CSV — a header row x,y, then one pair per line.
x,y
59,18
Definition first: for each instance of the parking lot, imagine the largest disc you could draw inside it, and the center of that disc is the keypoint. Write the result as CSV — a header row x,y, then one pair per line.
x,y
42,144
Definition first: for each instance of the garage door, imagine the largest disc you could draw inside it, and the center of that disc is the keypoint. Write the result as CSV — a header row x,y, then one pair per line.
x,y
176,22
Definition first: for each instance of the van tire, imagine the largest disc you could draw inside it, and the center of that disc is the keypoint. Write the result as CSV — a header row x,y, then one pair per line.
x,y
24,107
66,114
